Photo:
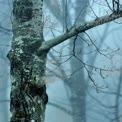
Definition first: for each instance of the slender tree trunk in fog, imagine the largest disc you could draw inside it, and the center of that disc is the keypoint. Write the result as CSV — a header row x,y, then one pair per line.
x,y
117,99
28,91
78,83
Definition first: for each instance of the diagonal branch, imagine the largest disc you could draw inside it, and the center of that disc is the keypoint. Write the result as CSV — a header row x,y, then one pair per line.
x,y
75,30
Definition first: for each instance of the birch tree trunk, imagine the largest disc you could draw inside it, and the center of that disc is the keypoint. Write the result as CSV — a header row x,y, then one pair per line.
x,y
28,91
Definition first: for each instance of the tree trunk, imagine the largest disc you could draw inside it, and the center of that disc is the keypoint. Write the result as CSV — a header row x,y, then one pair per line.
x,y
28,89
78,83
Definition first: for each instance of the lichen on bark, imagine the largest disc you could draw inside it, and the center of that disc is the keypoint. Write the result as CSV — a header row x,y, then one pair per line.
x,y
28,88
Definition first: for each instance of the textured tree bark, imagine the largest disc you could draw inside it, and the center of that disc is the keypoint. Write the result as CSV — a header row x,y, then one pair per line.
x,y
28,89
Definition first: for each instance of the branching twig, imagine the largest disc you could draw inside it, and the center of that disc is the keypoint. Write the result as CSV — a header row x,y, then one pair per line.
x,y
97,47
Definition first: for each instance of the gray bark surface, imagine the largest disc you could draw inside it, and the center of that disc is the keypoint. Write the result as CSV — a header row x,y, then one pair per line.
x,y
28,91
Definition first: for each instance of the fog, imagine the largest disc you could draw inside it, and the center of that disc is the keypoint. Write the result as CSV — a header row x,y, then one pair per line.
x,y
73,96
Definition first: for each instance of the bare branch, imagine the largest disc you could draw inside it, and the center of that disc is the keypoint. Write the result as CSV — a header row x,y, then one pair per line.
x,y
61,108
97,47
75,30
